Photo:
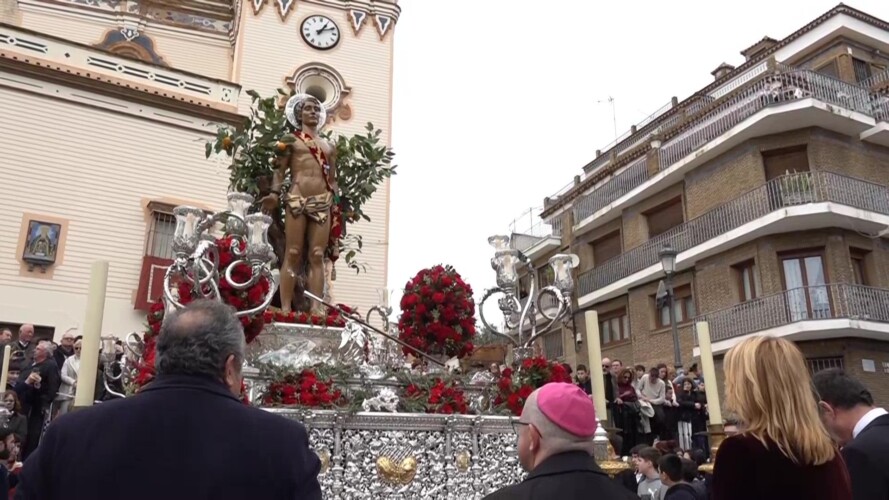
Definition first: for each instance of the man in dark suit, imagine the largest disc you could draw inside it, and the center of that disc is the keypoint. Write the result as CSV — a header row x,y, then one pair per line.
x,y
186,435
848,411
555,444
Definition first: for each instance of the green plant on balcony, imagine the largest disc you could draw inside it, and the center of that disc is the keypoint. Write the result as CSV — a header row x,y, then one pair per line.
x,y
796,187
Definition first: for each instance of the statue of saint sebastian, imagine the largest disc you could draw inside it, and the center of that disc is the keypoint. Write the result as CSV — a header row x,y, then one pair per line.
x,y
310,203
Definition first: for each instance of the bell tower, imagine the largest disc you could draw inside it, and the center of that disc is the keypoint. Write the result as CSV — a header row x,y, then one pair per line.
x,y
340,52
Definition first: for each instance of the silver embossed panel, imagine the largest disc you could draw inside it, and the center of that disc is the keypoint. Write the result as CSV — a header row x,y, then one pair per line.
x,y
410,456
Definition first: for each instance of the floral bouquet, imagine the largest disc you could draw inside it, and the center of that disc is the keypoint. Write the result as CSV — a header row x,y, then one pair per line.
x,y
438,313
515,387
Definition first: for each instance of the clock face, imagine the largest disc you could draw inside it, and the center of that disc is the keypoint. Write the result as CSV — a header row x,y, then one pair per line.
x,y
320,32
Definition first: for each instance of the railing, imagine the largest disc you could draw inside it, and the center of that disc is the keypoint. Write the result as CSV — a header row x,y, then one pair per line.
x,y
553,346
881,77
782,192
790,84
780,88
611,189
819,302
525,236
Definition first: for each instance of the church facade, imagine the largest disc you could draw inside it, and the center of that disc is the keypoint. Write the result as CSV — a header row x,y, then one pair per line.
x,y
105,110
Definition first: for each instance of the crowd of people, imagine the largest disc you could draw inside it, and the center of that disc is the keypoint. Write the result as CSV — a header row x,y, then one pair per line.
x,y
41,383
796,438
653,405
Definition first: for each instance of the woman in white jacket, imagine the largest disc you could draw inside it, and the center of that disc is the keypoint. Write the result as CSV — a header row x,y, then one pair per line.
x,y
69,380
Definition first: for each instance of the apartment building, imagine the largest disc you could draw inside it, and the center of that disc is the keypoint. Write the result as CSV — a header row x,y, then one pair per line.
x,y
771,183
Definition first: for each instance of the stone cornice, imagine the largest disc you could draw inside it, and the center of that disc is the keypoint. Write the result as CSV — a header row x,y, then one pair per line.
x,y
53,59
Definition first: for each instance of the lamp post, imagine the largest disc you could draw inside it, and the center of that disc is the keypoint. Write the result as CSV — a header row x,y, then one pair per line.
x,y
668,263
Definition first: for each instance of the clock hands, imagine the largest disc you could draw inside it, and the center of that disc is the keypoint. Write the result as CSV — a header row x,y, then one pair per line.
x,y
324,28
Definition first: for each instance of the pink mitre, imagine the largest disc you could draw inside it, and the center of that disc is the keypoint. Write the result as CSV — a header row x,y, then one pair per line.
x,y
567,406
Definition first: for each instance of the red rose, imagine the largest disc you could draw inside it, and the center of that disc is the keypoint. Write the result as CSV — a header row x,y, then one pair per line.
x,y
525,391
438,297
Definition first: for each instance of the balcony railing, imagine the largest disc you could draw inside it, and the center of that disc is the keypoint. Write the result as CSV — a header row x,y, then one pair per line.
x,y
821,302
877,79
528,236
782,192
788,85
611,189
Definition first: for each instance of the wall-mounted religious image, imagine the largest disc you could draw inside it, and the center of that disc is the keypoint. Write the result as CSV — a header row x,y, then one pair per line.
x,y
41,243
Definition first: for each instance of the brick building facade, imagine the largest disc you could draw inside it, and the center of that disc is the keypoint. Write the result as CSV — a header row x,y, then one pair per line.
x,y
772,183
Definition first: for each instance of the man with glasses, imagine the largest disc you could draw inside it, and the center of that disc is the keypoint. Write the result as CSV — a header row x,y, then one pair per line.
x,y
555,445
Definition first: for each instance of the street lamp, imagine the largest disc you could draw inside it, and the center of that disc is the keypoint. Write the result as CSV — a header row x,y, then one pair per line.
x,y
668,263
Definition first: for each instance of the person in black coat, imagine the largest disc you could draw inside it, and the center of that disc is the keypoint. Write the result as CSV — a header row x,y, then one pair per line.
x,y
673,477
848,411
555,444
185,435
37,387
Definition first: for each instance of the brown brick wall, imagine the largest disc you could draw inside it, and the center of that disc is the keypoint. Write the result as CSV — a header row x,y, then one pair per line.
x,y
635,226
582,245
653,345
836,153
853,351
725,178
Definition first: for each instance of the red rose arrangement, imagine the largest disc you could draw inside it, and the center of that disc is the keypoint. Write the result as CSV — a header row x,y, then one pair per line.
x,y
438,313
514,388
145,370
304,389
441,397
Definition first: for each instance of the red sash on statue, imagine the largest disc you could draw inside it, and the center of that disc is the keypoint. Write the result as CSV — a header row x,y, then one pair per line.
x,y
336,211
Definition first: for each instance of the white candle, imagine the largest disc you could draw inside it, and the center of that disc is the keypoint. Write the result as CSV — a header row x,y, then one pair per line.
x,y
594,351
188,230
92,325
257,233
709,369
7,352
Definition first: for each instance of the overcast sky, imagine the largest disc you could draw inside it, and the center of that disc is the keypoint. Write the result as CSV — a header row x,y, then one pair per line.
x,y
497,106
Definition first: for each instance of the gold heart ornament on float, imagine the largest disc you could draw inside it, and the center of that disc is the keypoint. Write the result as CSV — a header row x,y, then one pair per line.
x,y
397,467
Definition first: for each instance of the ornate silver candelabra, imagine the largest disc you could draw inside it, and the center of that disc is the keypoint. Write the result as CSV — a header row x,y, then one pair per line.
x,y
519,313
196,255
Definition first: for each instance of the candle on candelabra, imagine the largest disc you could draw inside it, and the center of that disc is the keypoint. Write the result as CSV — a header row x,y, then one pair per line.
x,y
594,351
190,223
92,325
708,367
7,352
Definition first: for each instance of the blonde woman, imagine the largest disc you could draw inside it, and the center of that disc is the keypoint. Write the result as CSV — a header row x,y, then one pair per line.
x,y
782,450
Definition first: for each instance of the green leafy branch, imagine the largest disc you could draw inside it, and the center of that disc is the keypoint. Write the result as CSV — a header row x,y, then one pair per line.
x,y
363,163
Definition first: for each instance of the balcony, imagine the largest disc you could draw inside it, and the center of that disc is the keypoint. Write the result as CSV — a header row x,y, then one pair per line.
x,y
537,237
793,202
807,313
772,103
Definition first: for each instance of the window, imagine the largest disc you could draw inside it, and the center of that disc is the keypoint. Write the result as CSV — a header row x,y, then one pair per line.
x,y
552,344
683,305
160,235
606,247
859,271
862,69
524,286
614,327
808,296
830,69
747,277
545,276
158,255
781,161
816,365
664,217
